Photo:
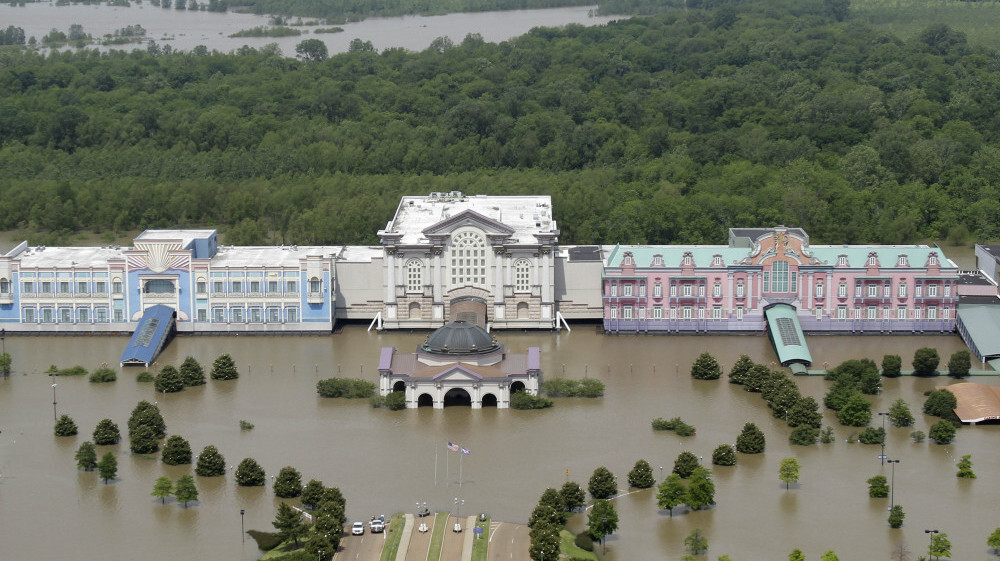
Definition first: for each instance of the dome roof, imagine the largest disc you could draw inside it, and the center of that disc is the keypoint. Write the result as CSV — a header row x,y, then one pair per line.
x,y
460,338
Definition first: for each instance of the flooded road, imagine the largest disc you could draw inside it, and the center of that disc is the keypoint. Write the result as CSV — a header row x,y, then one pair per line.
x,y
384,461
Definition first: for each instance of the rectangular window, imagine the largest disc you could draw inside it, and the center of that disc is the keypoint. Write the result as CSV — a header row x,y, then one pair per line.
x,y
642,290
315,286
740,290
657,312
947,291
218,287
219,315
857,313
857,291
46,315
841,312
237,286
272,287
291,286
63,287
945,313
795,281
236,314
717,290
46,287
767,281
673,312
100,287
872,312
657,290
819,290
83,315
932,291
916,313
701,291
292,315
614,289
673,290
901,312
255,315
886,291
932,312
872,290
917,291
819,313
614,312
29,315
201,287
687,312
688,290
255,286
627,289
902,290
716,312
116,287
739,313
701,312
274,315
65,315
627,312
29,286
119,315
842,290
202,314
101,315
81,287
642,312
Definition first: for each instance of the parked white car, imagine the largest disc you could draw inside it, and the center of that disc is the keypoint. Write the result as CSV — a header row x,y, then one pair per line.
x,y
422,528
457,528
358,528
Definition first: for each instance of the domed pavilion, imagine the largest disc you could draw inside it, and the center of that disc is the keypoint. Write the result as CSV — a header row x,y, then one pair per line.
x,y
459,364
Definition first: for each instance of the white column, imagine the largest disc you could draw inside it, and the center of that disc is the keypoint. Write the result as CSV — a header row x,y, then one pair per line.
x,y
498,266
812,292
390,278
729,294
547,292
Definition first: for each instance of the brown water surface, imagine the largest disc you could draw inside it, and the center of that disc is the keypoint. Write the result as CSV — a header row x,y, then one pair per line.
x,y
384,461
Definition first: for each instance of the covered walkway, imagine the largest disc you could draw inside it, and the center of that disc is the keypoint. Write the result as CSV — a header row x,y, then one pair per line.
x,y
979,326
786,335
155,329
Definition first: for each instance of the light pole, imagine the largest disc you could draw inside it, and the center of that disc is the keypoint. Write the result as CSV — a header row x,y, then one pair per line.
x,y
243,533
661,473
54,402
892,485
931,532
458,505
883,415
604,535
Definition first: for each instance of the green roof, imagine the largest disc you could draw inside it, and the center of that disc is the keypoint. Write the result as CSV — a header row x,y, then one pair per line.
x,y
982,322
786,335
674,254
888,255
857,255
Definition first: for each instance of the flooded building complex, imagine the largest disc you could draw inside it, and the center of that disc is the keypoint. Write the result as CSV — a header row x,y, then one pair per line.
x,y
492,261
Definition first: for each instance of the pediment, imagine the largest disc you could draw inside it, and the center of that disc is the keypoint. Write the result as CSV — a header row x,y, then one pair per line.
x,y
467,218
458,373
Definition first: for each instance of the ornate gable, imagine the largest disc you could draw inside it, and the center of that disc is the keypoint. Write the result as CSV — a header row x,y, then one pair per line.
x,y
496,231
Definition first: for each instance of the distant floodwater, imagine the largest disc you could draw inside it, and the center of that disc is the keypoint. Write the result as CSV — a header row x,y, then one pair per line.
x,y
184,30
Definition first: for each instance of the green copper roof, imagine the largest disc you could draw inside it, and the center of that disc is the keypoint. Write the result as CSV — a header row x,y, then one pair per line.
x,y
786,335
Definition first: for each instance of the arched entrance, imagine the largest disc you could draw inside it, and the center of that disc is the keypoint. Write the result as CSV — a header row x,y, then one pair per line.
x,y
517,387
399,386
457,397
470,309
414,310
425,400
489,400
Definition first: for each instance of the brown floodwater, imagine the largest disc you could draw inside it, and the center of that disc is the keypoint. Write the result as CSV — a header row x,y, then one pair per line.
x,y
384,461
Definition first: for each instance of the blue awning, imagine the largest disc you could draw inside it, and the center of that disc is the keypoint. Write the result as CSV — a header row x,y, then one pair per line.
x,y
152,334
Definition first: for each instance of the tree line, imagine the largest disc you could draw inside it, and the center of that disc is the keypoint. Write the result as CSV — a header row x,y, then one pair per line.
x,y
661,129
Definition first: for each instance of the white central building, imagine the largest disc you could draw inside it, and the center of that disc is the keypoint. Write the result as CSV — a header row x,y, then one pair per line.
x,y
487,260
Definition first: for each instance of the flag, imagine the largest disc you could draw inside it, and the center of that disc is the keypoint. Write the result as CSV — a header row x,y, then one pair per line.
x,y
466,451
453,447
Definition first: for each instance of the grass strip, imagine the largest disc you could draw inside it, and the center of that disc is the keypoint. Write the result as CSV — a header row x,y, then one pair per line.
x,y
437,536
569,549
393,535
481,542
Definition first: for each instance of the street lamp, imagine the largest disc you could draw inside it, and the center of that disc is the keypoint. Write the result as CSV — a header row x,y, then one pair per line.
x,y
458,504
883,415
931,532
604,535
54,402
892,485
661,473
243,533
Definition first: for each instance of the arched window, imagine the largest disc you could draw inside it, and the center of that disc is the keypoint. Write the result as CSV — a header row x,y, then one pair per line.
x,y
4,286
522,275
315,285
468,259
414,276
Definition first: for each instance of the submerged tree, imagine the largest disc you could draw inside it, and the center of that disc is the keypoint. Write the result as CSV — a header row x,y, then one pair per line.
x,y
210,462
65,426
751,440
224,368
602,484
671,493
250,474
86,456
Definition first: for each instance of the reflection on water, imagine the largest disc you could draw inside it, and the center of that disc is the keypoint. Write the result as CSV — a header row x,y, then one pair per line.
x,y
184,30
385,461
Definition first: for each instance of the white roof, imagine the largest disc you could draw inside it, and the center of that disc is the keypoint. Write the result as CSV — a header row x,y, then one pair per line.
x,y
185,236
526,215
42,257
288,255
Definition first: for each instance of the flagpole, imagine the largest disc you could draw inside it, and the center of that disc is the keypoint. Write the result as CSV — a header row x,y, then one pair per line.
x,y
447,468
461,457
435,466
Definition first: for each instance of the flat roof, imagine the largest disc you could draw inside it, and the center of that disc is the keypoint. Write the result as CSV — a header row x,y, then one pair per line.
x,y
43,257
976,402
982,322
185,236
526,215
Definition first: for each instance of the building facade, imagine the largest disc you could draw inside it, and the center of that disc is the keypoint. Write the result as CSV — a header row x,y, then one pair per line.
x,y
880,289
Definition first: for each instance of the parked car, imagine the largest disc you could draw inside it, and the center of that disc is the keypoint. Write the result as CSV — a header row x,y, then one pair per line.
x,y
457,528
422,528
376,526
358,528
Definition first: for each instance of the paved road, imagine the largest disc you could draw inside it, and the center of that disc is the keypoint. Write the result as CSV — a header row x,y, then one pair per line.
x,y
451,550
420,542
366,547
509,542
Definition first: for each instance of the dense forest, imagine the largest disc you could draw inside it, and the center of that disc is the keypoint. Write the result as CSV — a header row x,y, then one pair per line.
x,y
660,129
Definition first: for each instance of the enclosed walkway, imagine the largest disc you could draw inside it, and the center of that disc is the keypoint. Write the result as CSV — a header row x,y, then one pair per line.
x,y
156,328
786,335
